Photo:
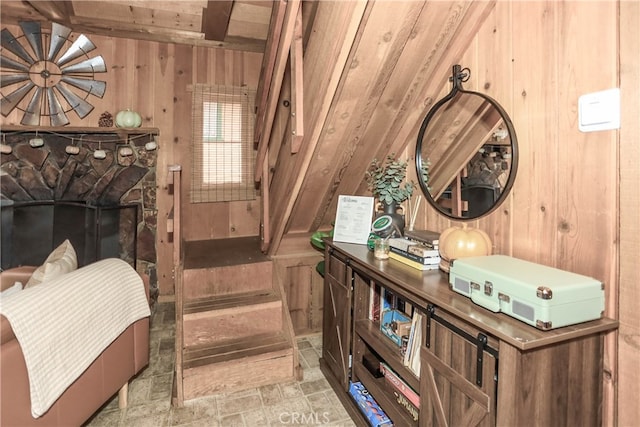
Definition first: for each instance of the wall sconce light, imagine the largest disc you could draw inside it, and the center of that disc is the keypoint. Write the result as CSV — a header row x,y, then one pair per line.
x,y
72,149
36,141
151,145
4,148
99,153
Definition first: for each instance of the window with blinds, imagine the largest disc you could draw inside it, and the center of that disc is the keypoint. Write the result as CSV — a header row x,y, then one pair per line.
x,y
223,157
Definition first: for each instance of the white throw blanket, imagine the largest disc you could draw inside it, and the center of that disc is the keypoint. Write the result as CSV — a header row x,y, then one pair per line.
x,y
64,324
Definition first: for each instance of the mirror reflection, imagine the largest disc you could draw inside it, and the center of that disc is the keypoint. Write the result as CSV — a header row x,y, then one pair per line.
x,y
470,146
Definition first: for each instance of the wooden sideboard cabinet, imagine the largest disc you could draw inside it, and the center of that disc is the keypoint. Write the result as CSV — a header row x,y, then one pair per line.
x,y
477,367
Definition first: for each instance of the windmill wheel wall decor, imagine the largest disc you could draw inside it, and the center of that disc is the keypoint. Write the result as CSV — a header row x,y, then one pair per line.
x,y
48,83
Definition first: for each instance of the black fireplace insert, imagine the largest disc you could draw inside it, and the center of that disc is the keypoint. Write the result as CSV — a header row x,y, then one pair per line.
x,y
31,230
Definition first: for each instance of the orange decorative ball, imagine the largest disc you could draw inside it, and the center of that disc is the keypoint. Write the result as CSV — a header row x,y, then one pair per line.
x,y
460,242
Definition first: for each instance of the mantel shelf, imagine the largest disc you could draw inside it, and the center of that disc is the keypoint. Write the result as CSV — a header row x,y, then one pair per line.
x,y
83,130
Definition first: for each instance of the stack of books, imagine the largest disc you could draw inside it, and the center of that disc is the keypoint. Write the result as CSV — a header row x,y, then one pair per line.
x,y
413,253
405,395
429,239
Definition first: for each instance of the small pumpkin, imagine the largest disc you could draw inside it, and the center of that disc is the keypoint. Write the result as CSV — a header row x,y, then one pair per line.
x,y
457,242
128,119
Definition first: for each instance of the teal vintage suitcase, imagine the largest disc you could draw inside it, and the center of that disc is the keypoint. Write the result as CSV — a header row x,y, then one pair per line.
x,y
542,296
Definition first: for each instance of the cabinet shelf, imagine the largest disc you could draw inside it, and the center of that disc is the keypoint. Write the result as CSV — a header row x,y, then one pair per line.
x,y
383,394
387,350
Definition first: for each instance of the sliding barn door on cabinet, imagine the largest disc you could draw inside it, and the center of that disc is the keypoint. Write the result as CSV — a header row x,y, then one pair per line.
x,y
336,337
458,373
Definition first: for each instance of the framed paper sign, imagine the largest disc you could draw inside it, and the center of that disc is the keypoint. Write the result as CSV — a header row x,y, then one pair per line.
x,y
353,219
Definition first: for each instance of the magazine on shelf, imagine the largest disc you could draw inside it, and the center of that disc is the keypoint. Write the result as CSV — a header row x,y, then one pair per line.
x,y
415,338
398,384
416,344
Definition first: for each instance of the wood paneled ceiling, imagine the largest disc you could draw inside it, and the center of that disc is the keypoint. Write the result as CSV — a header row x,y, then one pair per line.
x,y
237,24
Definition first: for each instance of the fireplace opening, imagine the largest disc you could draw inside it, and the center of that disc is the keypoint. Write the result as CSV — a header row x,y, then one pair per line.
x,y
31,230
87,196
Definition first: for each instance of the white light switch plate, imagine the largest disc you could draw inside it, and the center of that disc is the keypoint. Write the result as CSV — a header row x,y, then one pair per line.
x,y
599,110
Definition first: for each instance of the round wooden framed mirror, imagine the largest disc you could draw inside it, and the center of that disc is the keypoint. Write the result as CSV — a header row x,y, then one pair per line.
x,y
470,147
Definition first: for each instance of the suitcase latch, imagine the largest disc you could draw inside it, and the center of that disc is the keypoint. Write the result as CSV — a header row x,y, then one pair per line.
x,y
503,297
475,286
544,293
488,288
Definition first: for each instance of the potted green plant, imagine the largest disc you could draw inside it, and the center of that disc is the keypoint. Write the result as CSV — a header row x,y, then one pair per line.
x,y
387,182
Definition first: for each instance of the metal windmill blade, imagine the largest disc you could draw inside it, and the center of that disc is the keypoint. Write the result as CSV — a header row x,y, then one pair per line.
x,y
79,105
33,33
13,79
94,87
9,102
59,36
13,65
91,65
12,44
32,113
80,47
56,112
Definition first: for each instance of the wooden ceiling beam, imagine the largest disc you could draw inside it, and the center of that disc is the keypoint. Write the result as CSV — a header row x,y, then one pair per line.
x,y
215,19
51,10
161,35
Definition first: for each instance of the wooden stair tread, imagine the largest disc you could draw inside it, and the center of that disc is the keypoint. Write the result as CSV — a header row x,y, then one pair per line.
x,y
222,252
235,349
219,302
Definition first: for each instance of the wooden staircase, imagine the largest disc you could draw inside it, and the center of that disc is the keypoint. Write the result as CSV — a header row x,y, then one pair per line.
x,y
233,328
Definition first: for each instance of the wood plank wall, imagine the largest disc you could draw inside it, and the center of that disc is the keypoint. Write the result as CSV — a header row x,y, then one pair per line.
x,y
152,79
628,341
568,208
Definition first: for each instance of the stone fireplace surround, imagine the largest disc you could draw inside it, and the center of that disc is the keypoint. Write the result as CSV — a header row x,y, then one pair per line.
x,y
50,173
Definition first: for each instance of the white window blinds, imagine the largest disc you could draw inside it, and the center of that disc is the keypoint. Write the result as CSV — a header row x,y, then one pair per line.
x,y
223,157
